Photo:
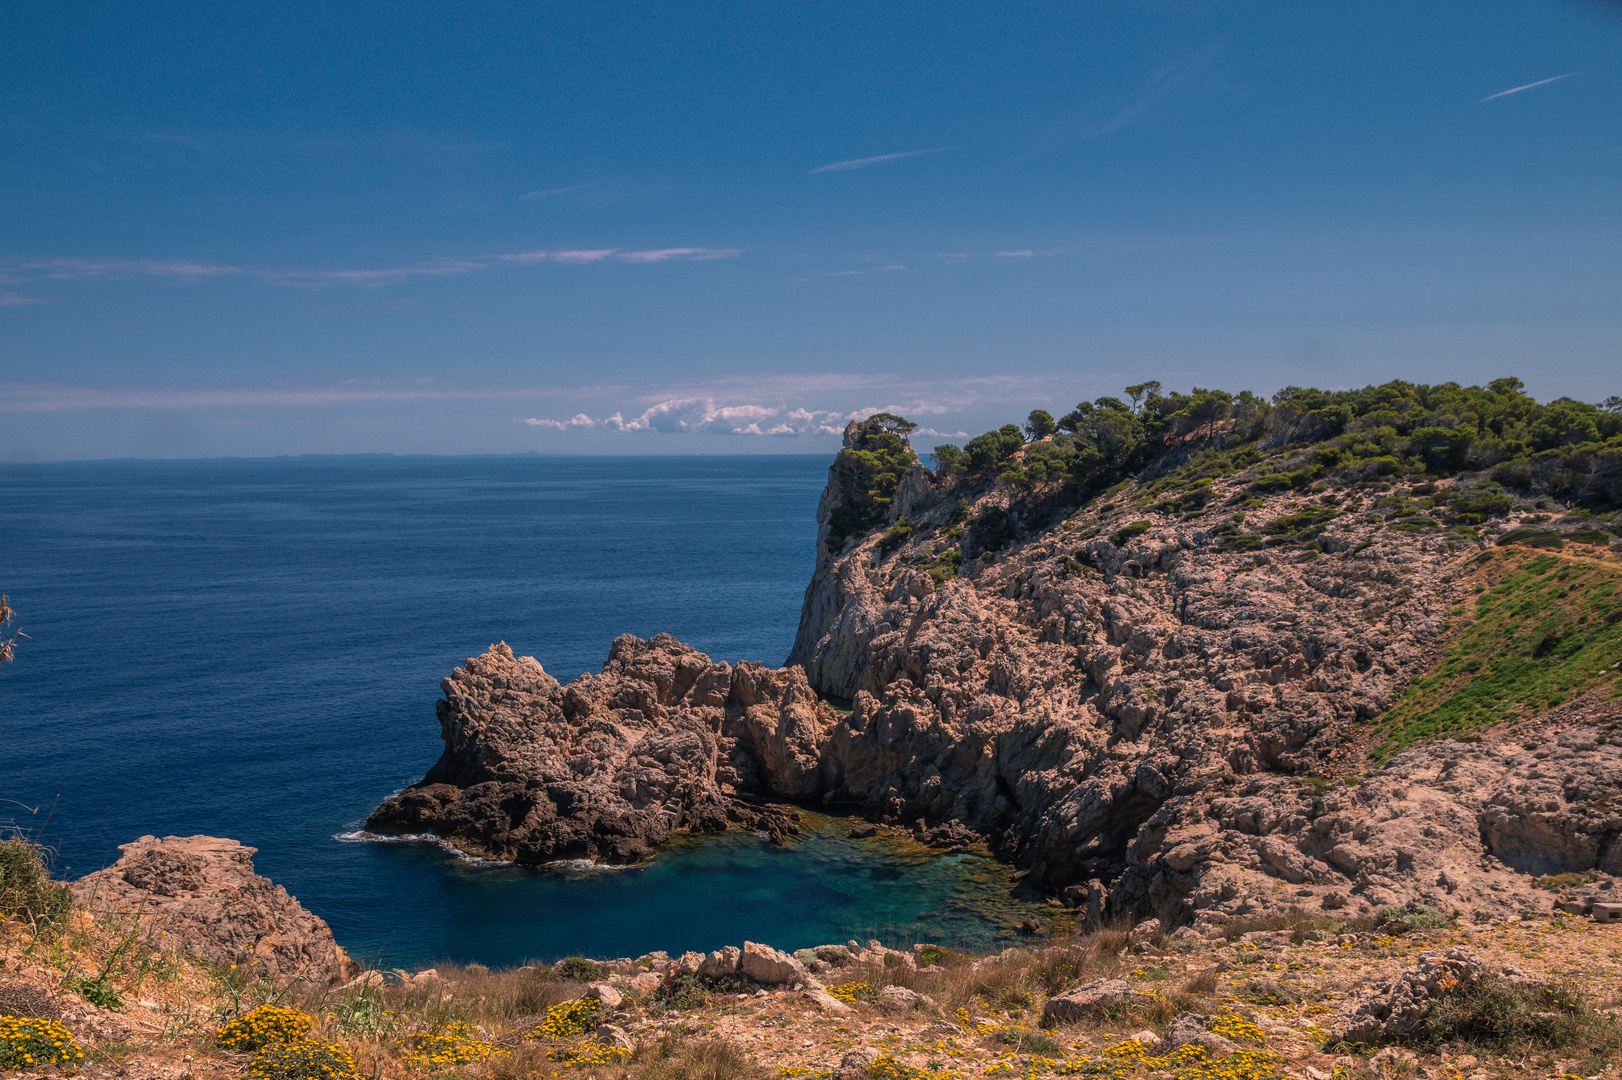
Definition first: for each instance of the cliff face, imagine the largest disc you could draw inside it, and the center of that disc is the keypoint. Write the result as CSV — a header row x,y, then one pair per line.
x,y
1141,698
1112,699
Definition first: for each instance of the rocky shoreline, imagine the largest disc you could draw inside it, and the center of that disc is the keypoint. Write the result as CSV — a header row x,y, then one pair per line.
x,y
1396,997
1144,718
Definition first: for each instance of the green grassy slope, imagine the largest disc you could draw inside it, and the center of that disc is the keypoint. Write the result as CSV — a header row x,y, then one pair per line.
x,y
1544,629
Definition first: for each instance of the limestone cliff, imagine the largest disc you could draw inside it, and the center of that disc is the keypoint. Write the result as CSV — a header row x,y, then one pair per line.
x,y
1152,695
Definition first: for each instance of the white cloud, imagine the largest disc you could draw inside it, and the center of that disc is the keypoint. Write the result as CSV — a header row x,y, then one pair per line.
x,y
684,253
67,269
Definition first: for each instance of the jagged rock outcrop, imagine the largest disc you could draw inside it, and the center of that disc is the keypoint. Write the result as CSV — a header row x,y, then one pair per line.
x,y
611,765
1114,695
201,893
1388,1010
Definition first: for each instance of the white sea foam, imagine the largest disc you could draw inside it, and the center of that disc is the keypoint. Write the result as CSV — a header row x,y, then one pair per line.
x,y
362,836
583,866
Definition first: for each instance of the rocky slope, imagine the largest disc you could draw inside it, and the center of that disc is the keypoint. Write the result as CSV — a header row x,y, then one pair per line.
x,y
1152,697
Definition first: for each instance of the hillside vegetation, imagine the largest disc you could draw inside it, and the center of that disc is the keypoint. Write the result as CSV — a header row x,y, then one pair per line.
x,y
1543,630
1566,449
1467,465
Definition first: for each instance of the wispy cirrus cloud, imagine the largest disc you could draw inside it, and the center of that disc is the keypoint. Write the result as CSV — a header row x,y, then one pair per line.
x,y
880,159
550,193
50,270
69,269
1528,86
54,397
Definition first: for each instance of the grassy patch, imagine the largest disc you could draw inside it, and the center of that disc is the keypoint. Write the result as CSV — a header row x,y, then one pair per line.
x,y
1544,632
27,893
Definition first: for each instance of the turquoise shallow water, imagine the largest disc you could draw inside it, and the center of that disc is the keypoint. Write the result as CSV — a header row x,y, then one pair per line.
x,y
707,891
253,649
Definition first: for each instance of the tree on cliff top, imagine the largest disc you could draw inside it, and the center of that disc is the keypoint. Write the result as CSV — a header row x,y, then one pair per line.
x,y
866,475
889,424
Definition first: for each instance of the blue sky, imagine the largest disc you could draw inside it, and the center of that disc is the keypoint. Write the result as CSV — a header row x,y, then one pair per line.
x,y
719,228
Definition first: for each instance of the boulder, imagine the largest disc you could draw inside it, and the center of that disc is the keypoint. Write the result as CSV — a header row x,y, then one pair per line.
x,y
723,963
765,964
857,1064
606,994
1192,1029
818,993
1090,1000
646,983
899,999
201,892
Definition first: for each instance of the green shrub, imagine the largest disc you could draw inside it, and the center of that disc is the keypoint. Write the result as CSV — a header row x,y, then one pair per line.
x,y
578,968
1412,916
27,893
1532,536
991,529
1127,532
1498,1014
895,535
1268,992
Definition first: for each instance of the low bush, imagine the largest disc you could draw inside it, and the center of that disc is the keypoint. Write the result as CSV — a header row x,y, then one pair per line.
x,y
28,1043
566,1019
303,1061
27,893
577,968
457,1044
1499,1014
268,1025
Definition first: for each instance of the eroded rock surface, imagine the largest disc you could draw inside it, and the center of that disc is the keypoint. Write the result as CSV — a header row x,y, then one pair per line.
x,y
202,893
611,765
1121,701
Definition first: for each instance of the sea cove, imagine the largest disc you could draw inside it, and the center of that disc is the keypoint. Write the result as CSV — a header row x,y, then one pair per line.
x,y
253,648
699,893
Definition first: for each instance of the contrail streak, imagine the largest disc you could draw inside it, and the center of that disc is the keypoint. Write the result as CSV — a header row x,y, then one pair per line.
x,y
1528,86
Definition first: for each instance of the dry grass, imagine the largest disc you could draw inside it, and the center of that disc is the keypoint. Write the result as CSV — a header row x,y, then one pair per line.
x,y
1295,922
494,1002
1004,983
1206,982
678,1057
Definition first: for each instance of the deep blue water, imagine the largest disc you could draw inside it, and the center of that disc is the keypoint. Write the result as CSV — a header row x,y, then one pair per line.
x,y
253,649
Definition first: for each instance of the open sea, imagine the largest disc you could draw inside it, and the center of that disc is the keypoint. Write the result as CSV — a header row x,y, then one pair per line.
x,y
253,648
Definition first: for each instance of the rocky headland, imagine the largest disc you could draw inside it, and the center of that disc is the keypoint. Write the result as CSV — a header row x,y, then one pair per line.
x,y
1162,687
1309,709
